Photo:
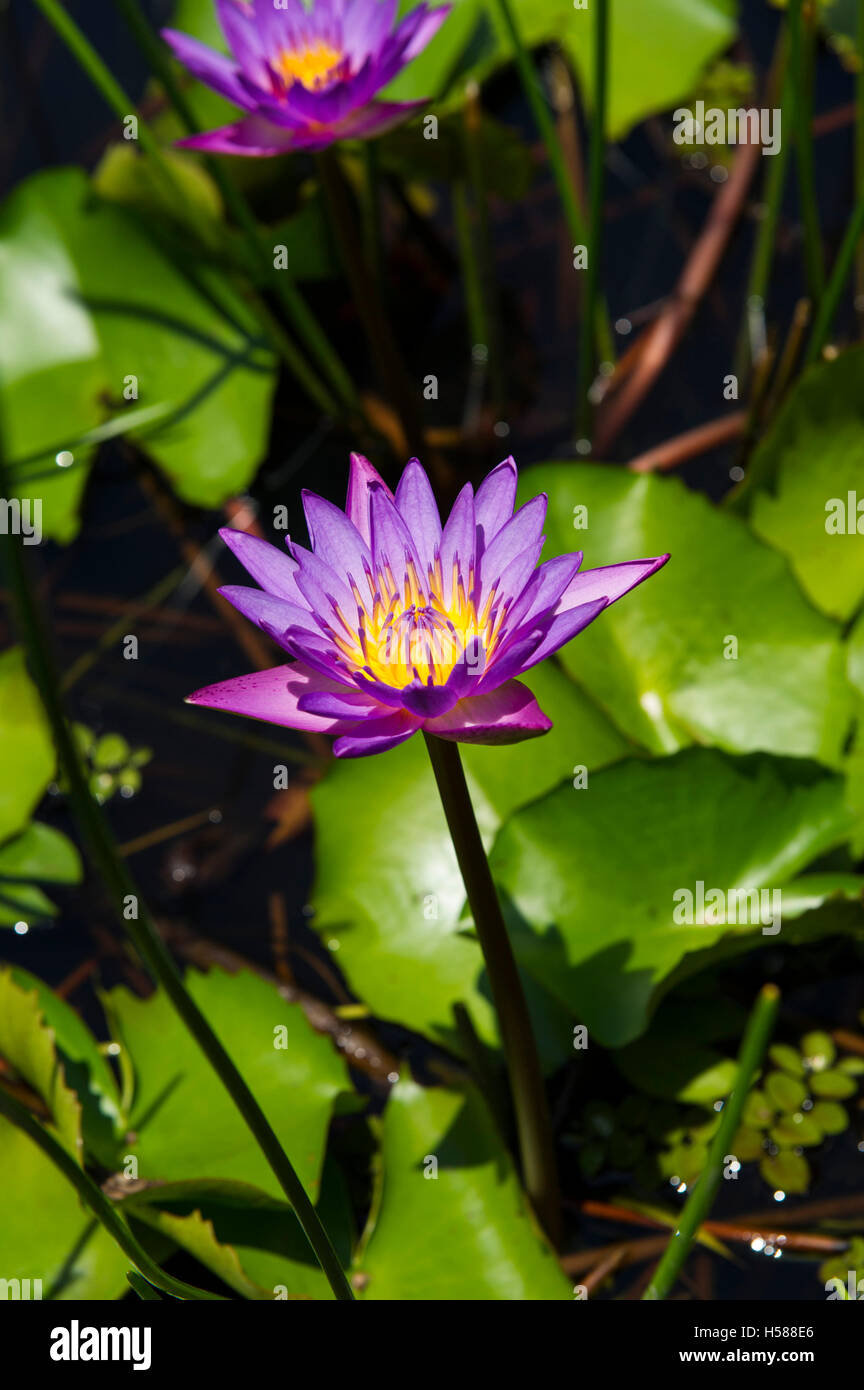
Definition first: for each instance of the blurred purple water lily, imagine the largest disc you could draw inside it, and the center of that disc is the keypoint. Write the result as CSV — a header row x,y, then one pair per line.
x,y
305,77
397,624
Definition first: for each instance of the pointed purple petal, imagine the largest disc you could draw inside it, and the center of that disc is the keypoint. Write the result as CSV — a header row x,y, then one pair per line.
x,y
564,626
521,531
271,695
361,479
377,735
262,608
613,581
542,592
392,542
210,67
495,500
253,136
336,539
458,541
416,503
506,715
270,567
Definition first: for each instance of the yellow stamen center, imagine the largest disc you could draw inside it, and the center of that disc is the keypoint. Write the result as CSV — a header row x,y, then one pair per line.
x,y
312,67
410,631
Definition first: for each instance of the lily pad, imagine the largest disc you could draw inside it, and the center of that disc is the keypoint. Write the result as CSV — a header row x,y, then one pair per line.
x,y
186,1125
463,1234
26,751
811,466
82,333
746,665
602,878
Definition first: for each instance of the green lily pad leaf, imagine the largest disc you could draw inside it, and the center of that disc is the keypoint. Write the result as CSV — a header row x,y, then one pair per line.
x,y
830,1117
694,1075
47,1234
852,1066
26,751
255,1244
809,467
787,1058
85,1067
28,1044
128,176
834,1085
472,1235
749,666
786,1171
819,1050
758,1110
389,896
748,1144
40,855
810,891
797,1128
604,880
784,1092
84,334
186,1125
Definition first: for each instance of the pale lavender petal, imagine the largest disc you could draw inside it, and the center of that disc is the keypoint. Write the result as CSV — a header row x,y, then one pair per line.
x,y
323,589
512,660
210,67
542,592
271,695
244,38
262,608
506,715
416,503
392,542
419,29
377,735
270,567
521,531
336,539
365,27
515,576
361,479
457,541
564,626
612,581
495,500
313,649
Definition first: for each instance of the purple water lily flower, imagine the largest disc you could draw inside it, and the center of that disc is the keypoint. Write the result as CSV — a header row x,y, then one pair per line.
x,y
305,77
396,623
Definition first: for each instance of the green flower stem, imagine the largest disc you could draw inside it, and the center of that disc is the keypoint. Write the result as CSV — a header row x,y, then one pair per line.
x,y
760,1026
801,45
520,1049
596,152
558,164
376,326
122,105
839,276
478,323
775,184
94,1198
123,891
